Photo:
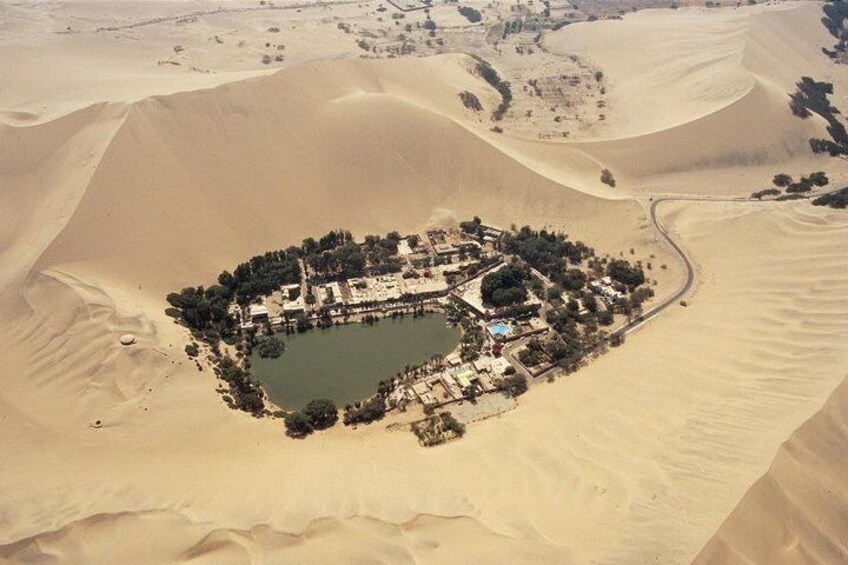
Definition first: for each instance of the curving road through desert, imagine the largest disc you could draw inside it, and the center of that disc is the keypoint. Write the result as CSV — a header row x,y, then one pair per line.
x,y
687,263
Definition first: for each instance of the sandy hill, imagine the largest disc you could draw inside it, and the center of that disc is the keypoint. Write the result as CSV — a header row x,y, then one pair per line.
x,y
218,175
699,92
116,190
796,512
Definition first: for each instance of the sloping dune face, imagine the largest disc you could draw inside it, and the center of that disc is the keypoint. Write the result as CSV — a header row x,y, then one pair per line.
x,y
696,92
110,208
249,166
638,457
120,454
55,63
796,513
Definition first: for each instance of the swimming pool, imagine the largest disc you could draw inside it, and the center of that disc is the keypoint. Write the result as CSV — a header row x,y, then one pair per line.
x,y
500,329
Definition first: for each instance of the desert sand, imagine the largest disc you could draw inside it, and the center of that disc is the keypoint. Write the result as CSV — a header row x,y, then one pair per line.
x,y
716,433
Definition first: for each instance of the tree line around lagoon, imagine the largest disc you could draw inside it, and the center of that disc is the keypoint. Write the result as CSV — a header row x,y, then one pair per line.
x,y
206,311
574,311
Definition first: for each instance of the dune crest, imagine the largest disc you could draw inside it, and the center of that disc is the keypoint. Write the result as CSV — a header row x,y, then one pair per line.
x,y
795,513
119,186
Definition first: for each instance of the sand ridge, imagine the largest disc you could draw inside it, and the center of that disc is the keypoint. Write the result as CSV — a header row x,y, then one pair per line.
x,y
641,456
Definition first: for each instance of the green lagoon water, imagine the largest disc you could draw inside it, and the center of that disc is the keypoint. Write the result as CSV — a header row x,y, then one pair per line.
x,y
346,363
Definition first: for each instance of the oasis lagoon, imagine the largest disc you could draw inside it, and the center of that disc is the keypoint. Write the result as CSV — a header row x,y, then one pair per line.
x,y
346,363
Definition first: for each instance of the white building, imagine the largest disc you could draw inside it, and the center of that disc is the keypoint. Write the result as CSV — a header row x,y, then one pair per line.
x,y
604,287
293,300
258,313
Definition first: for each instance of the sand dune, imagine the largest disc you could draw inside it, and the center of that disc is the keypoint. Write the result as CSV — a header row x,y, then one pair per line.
x,y
46,171
117,188
300,152
796,512
668,69
424,539
675,425
698,92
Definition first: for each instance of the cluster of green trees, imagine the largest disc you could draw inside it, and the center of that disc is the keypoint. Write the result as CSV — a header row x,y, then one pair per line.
x,y
472,227
437,428
790,196
838,199
640,295
513,385
342,258
472,342
550,253
381,253
572,342
344,261
430,25
470,101
812,97
835,13
327,242
366,411
318,415
766,192
505,286
515,26
204,311
566,350
451,424
470,14
622,271
564,319
262,275
269,346
531,356
567,347
518,311
491,76
806,183
245,393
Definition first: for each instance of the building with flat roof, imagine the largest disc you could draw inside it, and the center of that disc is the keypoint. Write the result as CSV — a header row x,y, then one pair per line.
x,y
258,313
293,300
604,287
383,288
404,247
331,294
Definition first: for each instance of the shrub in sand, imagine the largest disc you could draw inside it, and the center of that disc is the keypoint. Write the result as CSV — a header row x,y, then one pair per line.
x,y
607,178
321,413
297,425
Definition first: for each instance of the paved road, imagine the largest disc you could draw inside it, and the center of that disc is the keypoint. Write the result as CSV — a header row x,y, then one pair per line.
x,y
687,264
690,269
671,300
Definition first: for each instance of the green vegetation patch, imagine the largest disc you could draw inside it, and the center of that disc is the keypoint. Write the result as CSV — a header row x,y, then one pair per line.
x,y
269,346
437,429
470,101
505,286
365,412
490,75
838,199
470,14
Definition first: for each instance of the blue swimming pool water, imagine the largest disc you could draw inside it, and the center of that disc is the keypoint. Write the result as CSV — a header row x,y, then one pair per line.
x,y
500,329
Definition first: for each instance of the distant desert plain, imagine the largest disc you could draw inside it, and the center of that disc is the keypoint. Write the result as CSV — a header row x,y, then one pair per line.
x,y
147,145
